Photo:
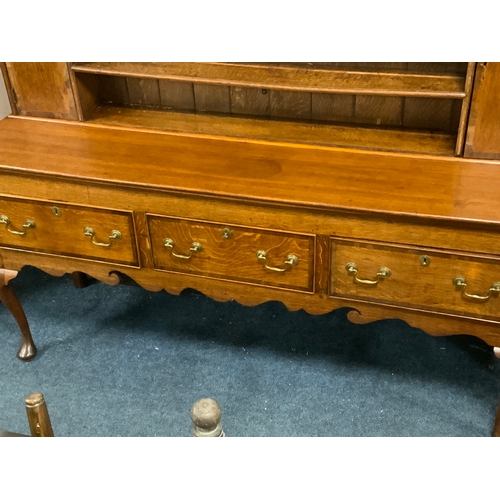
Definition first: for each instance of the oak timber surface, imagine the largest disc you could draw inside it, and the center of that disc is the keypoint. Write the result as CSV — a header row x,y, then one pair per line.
x,y
483,133
290,78
447,188
417,141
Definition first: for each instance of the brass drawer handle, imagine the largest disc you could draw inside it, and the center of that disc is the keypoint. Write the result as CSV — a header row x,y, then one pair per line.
x,y
352,270
29,224
115,235
460,283
195,247
290,261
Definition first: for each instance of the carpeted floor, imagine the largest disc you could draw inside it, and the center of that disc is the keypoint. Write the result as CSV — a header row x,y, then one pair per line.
x,y
122,361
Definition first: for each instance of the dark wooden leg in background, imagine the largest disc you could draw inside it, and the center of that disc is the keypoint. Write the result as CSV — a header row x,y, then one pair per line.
x,y
80,280
28,349
496,427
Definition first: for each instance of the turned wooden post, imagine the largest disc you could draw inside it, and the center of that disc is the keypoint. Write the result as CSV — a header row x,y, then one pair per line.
x,y
38,416
27,350
206,416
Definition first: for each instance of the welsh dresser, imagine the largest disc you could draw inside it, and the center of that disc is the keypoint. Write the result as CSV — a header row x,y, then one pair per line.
x,y
367,186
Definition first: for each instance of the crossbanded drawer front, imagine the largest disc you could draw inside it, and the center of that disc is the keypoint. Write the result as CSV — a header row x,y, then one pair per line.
x,y
68,230
233,252
416,278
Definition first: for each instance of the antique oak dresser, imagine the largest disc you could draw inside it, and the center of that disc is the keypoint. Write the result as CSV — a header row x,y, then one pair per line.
x,y
369,186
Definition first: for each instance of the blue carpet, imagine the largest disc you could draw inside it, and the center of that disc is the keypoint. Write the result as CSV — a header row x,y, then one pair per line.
x,y
122,361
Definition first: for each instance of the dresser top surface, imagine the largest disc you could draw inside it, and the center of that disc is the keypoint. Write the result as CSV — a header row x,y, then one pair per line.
x,y
323,178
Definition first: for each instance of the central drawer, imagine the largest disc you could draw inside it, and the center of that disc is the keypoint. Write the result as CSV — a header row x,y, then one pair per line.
x,y
233,252
416,278
61,229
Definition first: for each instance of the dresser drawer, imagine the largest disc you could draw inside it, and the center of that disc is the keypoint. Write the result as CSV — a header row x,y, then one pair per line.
x,y
67,230
231,252
416,278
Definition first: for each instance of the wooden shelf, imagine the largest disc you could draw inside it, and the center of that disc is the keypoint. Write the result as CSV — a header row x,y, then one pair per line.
x,y
434,143
273,76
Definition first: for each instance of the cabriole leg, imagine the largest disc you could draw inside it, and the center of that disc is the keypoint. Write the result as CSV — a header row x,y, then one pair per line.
x,y
28,349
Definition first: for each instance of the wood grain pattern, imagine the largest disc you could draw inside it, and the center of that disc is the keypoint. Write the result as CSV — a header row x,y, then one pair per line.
x,y
381,66
42,89
457,113
290,78
143,91
144,240
483,132
176,95
211,98
431,322
113,90
250,101
447,324
428,113
458,68
322,265
447,188
378,110
372,106
471,237
233,258
465,108
412,284
280,131
64,234
326,205
286,104
333,107
87,93
74,89
438,67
